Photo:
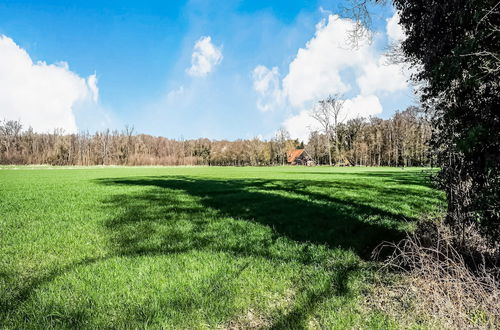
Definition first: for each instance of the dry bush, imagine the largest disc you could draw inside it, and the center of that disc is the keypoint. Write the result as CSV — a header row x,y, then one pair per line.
x,y
439,287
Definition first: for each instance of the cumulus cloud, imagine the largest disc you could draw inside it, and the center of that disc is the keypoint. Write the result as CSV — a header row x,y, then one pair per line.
x,y
316,71
394,30
40,95
206,56
382,76
362,106
299,126
266,82
329,65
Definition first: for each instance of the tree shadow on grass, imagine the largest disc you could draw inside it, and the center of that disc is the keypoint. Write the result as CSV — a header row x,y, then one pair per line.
x,y
280,220
395,175
284,206
11,302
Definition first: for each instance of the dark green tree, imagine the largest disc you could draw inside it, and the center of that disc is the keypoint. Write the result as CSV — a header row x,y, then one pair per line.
x,y
455,44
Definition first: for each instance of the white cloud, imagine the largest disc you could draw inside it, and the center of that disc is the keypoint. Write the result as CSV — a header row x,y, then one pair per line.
x,y
382,76
206,56
361,106
174,93
316,71
394,30
267,85
40,95
94,90
300,125
324,11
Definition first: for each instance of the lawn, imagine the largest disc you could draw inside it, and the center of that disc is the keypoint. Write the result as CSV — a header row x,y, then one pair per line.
x,y
200,247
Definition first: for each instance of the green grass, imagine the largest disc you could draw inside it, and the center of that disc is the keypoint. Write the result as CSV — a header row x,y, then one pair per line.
x,y
199,247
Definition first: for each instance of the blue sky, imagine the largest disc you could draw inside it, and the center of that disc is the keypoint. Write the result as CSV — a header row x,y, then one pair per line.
x,y
135,63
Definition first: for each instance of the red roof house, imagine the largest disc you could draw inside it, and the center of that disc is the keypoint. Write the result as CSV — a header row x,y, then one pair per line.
x,y
298,157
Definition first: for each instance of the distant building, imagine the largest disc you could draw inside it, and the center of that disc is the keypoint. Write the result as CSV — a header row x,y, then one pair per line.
x,y
299,157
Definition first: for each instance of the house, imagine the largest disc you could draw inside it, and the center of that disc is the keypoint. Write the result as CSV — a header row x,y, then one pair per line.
x,y
299,157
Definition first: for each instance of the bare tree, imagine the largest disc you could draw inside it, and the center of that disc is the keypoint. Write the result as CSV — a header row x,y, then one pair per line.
x,y
328,114
402,138
358,11
281,137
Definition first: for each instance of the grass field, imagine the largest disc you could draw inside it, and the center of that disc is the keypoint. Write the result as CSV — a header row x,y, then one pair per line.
x,y
200,247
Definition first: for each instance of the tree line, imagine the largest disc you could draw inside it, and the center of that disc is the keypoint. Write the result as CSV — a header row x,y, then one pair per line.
x,y
399,141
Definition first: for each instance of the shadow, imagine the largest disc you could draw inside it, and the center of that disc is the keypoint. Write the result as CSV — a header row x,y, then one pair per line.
x,y
391,175
296,318
18,297
284,207
296,221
